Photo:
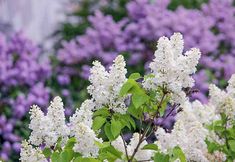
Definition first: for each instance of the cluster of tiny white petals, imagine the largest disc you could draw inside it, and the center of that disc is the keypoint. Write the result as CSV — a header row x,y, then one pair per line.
x,y
204,113
30,154
188,133
80,125
173,69
141,155
223,101
86,138
82,115
57,116
217,156
48,128
105,86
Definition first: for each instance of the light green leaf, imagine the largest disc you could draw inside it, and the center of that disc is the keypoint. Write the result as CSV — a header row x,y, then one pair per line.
x,y
179,154
104,112
231,144
116,127
125,88
98,122
108,132
135,76
139,99
160,157
55,157
150,147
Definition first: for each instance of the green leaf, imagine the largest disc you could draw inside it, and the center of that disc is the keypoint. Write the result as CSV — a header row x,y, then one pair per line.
x,y
108,132
179,154
47,152
231,144
150,147
55,157
135,112
132,123
125,88
160,157
64,156
58,144
212,146
125,123
116,127
104,112
135,76
70,143
139,99
80,159
98,122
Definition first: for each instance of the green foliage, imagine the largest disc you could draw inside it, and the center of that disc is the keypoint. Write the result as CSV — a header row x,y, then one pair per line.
x,y
98,122
160,157
186,3
116,127
225,132
151,147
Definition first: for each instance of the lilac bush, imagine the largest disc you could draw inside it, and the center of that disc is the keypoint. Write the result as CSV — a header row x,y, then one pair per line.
x,y
22,83
211,29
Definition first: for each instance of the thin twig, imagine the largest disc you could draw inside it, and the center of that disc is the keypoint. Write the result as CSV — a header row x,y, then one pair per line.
x,y
139,143
125,146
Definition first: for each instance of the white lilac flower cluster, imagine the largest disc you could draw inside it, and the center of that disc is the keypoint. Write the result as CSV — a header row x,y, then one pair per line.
x,y
80,124
224,101
190,129
173,69
188,133
28,153
47,129
105,86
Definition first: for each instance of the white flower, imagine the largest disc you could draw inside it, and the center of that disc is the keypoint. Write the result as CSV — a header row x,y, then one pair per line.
x,y
56,114
188,133
82,115
80,128
173,69
105,86
30,154
204,113
86,138
48,128
224,102
231,86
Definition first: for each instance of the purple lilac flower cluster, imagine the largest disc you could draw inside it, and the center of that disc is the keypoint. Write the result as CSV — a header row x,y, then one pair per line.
x,y
22,78
212,29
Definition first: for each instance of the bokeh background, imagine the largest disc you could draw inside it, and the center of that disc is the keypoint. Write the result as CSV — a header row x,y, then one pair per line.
x,y
47,48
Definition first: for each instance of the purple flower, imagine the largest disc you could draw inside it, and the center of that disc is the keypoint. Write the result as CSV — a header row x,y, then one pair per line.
x,y
23,75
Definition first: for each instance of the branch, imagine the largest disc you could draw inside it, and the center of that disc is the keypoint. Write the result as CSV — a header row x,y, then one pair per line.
x,y
125,146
